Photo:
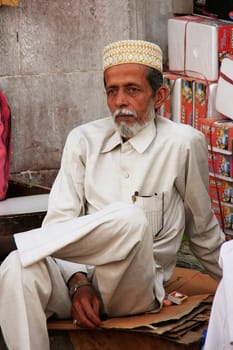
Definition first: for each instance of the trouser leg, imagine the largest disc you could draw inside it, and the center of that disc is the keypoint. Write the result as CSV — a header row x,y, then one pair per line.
x,y
217,333
122,251
27,297
117,241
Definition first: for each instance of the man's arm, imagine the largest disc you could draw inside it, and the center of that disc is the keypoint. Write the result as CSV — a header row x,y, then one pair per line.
x,y
202,228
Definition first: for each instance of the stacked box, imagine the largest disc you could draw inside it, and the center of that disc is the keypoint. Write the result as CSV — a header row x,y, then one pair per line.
x,y
166,109
182,100
220,189
204,101
223,135
207,127
188,99
224,214
186,115
228,216
197,45
220,164
200,50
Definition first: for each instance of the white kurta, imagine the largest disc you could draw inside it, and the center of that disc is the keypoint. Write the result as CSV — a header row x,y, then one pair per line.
x,y
166,163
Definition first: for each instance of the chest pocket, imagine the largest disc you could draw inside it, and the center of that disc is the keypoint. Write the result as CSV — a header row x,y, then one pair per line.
x,y
153,207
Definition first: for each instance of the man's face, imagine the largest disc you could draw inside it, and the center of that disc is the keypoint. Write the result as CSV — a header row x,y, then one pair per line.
x,y
129,97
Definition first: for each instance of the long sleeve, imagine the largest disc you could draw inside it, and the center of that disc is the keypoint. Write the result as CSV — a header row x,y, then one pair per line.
x,y
202,228
66,198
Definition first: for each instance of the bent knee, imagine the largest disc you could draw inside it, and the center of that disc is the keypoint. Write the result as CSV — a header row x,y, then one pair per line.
x,y
132,217
10,266
130,212
12,259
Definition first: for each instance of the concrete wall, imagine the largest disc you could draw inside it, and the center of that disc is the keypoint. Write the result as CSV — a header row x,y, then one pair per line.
x,y
51,69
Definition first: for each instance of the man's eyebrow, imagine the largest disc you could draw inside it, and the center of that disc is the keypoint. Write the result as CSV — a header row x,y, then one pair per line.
x,y
111,86
115,86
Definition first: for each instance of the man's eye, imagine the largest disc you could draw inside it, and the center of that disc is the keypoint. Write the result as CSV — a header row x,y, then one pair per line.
x,y
132,89
111,92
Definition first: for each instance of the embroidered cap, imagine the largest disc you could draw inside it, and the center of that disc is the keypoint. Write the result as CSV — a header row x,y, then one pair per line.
x,y
133,51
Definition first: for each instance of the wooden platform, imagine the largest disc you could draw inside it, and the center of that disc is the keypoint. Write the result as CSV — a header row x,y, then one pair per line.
x,y
62,338
29,209
115,339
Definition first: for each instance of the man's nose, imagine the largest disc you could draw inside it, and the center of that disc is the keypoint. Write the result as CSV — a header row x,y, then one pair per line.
x,y
121,99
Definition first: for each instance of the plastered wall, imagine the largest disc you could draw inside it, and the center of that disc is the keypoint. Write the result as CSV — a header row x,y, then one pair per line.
x,y
51,69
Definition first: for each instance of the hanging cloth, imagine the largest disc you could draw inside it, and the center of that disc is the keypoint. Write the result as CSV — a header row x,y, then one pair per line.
x,y
5,145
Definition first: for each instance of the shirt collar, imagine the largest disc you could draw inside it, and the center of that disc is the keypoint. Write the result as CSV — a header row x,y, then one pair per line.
x,y
143,139
140,142
111,142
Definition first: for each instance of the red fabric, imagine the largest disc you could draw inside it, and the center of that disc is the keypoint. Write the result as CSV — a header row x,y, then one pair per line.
x,y
5,145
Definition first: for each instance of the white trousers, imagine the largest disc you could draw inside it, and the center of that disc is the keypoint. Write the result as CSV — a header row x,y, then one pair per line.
x,y
218,333
121,249
220,329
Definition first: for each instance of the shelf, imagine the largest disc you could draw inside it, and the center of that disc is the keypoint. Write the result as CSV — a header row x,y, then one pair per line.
x,y
226,178
219,150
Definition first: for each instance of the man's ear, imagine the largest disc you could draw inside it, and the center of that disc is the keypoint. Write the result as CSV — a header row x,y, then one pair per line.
x,y
160,96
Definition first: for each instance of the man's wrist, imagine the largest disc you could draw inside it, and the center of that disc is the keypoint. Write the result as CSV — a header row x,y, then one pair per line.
x,y
76,277
73,289
76,281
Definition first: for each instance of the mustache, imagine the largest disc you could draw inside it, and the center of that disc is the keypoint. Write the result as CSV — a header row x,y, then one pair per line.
x,y
124,111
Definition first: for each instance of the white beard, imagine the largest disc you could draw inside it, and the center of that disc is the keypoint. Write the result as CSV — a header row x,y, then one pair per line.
x,y
127,131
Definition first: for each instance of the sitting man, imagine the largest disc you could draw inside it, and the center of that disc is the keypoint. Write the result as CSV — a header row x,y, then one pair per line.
x,y
128,188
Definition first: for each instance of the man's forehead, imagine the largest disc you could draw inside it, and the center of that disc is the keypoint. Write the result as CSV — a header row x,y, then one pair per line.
x,y
127,73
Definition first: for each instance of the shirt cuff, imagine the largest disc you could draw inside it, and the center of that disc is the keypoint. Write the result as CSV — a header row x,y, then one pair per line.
x,y
69,268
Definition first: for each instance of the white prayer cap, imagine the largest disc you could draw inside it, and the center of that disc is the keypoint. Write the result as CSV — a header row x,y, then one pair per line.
x,y
133,51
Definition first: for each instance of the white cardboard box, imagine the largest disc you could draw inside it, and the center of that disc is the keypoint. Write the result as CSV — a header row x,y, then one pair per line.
x,y
196,44
224,94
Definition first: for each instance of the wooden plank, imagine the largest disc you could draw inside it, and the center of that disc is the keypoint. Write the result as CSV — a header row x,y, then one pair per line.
x,y
114,339
34,199
118,340
111,340
18,223
17,189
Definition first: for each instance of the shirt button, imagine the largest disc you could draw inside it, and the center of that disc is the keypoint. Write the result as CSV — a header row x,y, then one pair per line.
x,y
126,175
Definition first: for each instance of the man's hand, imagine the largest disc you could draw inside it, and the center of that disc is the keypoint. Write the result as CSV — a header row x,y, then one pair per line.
x,y
85,304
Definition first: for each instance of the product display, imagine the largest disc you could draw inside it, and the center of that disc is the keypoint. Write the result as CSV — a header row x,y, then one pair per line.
x,y
201,95
197,45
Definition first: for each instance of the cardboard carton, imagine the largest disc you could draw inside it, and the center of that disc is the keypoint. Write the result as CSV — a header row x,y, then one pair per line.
x,y
220,164
169,80
224,100
204,94
197,45
223,134
182,100
207,127
220,189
